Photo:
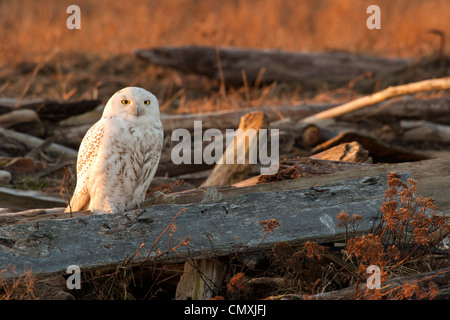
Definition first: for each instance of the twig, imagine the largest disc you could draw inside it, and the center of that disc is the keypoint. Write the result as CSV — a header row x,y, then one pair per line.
x,y
162,233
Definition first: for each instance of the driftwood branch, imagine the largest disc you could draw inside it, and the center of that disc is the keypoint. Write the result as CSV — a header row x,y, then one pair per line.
x,y
426,85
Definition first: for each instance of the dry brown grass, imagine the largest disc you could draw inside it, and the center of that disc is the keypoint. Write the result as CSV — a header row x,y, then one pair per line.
x,y
96,60
29,28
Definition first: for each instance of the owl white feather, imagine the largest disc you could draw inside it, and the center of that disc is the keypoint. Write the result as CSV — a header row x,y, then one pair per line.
x,y
119,154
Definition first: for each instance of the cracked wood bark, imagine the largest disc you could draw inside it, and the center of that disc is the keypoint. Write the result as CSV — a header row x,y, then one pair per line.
x,y
309,69
214,228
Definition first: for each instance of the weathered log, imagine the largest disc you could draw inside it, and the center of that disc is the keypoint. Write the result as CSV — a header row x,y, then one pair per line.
x,y
328,116
431,176
20,165
440,277
230,119
50,110
192,283
305,134
34,142
227,173
213,229
351,152
70,136
201,279
20,217
12,118
311,70
406,108
27,199
302,168
75,128
425,131
380,152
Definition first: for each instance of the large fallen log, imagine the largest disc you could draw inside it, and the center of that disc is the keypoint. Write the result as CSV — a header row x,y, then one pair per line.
x,y
404,108
50,110
230,119
311,70
209,229
425,131
27,199
431,176
32,142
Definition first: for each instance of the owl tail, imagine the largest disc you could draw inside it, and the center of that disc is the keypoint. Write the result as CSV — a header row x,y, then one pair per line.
x,y
79,202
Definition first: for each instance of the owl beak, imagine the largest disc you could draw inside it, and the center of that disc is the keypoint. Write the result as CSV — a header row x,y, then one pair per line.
x,y
136,110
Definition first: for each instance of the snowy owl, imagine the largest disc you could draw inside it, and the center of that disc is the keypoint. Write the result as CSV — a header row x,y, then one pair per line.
x,y
119,154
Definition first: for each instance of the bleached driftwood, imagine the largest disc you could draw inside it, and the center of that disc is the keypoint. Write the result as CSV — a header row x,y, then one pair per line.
x,y
350,152
227,173
425,131
33,142
327,116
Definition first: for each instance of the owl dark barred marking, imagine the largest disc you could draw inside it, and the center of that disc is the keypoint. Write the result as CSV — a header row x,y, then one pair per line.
x,y
119,154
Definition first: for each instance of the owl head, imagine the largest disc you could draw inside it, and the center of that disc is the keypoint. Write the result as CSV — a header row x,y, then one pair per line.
x,y
133,103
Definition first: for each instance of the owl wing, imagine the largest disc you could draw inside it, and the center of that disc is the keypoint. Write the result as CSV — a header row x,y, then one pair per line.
x,y
87,155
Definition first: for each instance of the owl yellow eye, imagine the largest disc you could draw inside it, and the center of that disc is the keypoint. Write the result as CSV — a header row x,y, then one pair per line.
x,y
147,102
125,101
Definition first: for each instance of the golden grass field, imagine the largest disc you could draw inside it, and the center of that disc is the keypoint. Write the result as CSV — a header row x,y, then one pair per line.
x,y
29,29
76,61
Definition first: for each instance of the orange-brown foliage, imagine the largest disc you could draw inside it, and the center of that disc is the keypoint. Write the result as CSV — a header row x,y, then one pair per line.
x,y
403,237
